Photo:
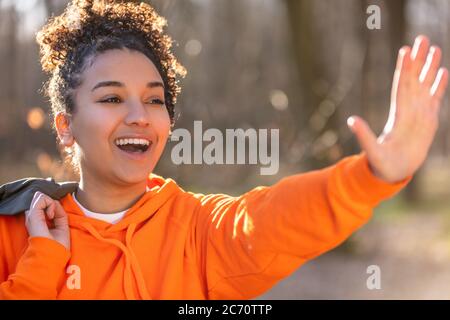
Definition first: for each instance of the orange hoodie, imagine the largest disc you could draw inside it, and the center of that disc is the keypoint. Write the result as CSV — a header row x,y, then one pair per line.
x,y
174,244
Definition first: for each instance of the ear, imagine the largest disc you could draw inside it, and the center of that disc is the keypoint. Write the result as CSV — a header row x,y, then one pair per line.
x,y
62,124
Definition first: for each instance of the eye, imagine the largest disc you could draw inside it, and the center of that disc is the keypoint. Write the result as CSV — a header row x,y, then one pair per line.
x,y
111,100
156,101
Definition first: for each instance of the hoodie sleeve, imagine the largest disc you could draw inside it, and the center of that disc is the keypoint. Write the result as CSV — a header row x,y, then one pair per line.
x,y
37,273
246,244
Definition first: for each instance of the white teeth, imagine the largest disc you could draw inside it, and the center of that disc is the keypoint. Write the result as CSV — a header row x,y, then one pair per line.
x,y
121,142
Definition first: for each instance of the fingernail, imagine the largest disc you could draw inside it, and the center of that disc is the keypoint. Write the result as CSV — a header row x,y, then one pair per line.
x,y
351,122
402,51
416,46
420,38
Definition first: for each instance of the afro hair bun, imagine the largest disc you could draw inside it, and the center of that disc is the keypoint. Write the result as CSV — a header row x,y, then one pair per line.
x,y
87,21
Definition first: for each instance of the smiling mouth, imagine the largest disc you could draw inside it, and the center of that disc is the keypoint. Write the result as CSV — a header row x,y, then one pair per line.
x,y
133,145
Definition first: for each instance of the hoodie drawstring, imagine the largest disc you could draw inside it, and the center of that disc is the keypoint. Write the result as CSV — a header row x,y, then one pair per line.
x,y
132,266
142,287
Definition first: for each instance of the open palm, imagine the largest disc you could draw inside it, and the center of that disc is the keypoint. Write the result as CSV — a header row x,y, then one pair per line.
x,y
418,88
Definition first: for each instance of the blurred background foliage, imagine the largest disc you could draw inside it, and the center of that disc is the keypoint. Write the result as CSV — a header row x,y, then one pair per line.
x,y
300,66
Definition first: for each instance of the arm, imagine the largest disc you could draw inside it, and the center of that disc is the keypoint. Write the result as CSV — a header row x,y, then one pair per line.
x,y
37,273
247,244
253,241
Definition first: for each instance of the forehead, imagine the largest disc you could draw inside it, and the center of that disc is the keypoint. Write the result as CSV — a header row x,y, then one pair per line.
x,y
121,65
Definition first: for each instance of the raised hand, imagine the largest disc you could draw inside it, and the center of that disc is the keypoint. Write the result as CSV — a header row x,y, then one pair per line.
x,y
418,88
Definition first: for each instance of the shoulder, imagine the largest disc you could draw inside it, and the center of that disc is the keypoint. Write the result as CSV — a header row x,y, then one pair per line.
x,y
9,222
13,233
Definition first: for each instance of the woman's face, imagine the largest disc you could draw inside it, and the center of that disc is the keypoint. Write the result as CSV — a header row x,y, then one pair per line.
x,y
121,98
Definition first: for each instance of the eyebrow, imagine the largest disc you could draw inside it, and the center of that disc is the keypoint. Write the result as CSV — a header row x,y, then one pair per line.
x,y
152,84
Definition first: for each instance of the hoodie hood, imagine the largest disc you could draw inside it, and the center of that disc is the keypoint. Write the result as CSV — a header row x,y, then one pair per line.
x,y
158,191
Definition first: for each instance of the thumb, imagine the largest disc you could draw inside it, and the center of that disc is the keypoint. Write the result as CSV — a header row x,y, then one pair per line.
x,y
366,138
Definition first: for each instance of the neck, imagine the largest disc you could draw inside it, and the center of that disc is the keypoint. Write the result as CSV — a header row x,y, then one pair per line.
x,y
107,198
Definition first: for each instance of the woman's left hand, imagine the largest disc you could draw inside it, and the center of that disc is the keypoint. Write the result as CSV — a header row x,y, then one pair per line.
x,y
417,91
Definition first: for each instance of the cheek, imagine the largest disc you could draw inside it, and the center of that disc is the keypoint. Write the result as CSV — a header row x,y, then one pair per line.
x,y
161,125
92,129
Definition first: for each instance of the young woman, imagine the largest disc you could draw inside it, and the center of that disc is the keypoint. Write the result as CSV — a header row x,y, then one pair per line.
x,y
126,233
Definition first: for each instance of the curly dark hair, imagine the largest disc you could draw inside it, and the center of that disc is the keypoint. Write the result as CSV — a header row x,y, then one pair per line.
x,y
87,28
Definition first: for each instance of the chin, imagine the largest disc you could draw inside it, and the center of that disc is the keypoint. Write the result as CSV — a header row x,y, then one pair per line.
x,y
132,176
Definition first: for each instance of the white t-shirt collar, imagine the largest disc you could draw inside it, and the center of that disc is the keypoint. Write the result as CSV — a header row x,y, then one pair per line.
x,y
107,217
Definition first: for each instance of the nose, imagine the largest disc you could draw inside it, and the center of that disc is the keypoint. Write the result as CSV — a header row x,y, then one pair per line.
x,y
137,114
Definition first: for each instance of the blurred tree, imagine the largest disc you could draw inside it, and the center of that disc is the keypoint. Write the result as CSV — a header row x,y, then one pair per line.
x,y
328,49
317,79
310,67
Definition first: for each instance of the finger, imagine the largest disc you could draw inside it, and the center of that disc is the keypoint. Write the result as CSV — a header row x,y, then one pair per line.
x,y
438,89
60,215
366,138
419,54
37,207
403,58
402,71
27,217
49,207
50,211
431,67
59,210
44,204
439,86
36,196
41,201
